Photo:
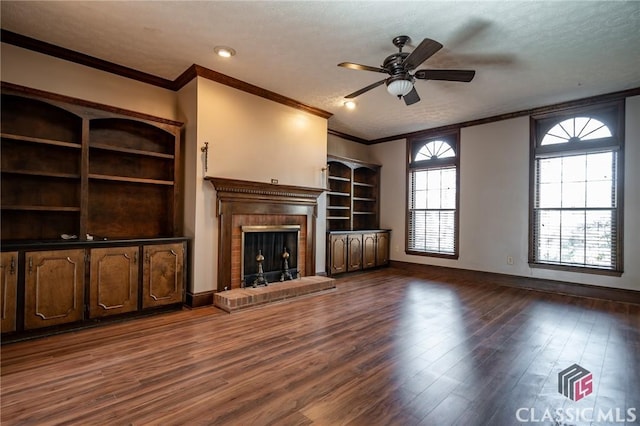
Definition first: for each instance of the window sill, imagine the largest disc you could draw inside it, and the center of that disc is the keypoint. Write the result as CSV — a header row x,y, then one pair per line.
x,y
432,254
579,269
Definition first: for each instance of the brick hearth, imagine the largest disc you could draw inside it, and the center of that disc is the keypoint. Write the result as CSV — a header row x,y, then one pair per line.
x,y
242,298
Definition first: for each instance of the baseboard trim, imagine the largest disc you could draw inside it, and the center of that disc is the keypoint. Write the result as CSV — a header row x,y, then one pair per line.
x,y
197,300
527,283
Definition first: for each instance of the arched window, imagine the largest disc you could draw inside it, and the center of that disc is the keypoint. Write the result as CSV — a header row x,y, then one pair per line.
x,y
434,150
576,190
432,205
575,130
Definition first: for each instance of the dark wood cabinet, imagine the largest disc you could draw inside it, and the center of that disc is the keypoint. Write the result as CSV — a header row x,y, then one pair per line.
x,y
8,290
74,284
337,253
369,245
357,250
382,248
114,281
354,254
54,287
163,282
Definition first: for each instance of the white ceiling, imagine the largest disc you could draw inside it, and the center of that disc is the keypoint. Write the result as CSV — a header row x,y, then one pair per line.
x,y
526,53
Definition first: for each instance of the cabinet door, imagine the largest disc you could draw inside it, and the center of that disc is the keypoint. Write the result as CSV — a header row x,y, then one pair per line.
x,y
382,248
355,252
114,281
368,251
337,253
163,274
9,284
54,287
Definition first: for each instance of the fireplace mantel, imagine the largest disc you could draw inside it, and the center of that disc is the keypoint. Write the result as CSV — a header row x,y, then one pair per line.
x,y
261,191
239,200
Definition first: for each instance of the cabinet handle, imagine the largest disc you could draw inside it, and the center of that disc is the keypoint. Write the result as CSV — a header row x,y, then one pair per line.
x,y
12,266
31,265
135,258
173,252
146,257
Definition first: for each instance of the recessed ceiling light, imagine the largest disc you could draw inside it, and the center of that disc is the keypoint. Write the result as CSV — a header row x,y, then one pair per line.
x,y
350,105
224,51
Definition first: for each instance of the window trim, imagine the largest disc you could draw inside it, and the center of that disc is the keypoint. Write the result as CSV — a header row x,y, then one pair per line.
x,y
413,145
614,117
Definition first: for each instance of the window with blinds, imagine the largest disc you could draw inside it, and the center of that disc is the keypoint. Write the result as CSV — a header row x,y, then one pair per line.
x,y
576,213
432,205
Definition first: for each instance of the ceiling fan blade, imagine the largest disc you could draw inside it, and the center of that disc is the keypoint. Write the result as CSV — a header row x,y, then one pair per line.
x,y
359,67
411,97
447,75
425,50
365,89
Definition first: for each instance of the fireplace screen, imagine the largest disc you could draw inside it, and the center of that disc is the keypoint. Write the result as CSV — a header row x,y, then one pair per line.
x,y
270,243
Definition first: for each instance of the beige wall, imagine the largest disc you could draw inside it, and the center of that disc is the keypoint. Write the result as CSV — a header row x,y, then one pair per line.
x,y
348,149
494,203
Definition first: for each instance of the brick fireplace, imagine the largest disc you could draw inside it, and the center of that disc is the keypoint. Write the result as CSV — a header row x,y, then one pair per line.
x,y
244,203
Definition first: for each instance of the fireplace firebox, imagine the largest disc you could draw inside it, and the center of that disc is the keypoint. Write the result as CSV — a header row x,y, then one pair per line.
x,y
270,243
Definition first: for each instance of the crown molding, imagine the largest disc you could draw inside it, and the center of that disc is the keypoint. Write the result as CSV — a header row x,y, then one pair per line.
x,y
348,137
614,96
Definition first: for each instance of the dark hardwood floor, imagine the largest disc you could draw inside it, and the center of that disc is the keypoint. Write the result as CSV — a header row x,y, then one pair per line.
x,y
387,347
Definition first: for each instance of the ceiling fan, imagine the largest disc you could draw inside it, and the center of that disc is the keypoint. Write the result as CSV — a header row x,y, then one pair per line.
x,y
400,65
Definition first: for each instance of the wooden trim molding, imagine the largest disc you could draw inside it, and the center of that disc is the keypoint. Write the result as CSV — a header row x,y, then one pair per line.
x,y
348,137
239,198
527,283
189,74
197,300
229,189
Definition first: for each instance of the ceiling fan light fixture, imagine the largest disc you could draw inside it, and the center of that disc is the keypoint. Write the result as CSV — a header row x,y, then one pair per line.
x,y
399,87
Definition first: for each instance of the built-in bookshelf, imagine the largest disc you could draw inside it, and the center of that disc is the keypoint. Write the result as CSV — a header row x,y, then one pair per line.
x,y
352,199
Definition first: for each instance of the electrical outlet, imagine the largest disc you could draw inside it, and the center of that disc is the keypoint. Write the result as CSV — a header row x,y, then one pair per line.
x,y
274,181
509,260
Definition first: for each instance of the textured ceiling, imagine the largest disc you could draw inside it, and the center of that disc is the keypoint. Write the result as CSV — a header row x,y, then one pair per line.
x,y
526,54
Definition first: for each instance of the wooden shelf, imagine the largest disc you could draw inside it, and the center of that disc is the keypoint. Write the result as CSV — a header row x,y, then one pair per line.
x,y
41,208
353,187
132,151
83,169
131,179
43,174
337,217
339,194
40,140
